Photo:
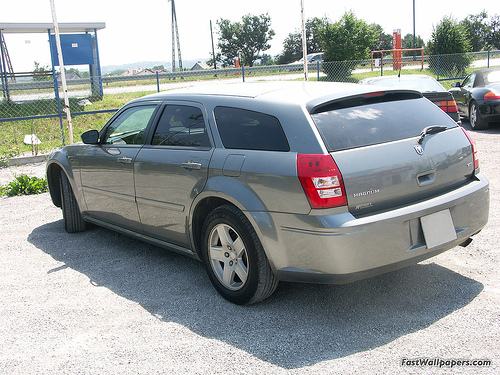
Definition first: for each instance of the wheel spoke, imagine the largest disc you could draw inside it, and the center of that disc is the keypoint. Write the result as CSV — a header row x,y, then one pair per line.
x,y
228,275
239,247
224,236
242,271
217,253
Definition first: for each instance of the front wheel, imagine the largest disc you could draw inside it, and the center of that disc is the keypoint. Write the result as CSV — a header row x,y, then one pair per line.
x,y
475,118
73,220
234,258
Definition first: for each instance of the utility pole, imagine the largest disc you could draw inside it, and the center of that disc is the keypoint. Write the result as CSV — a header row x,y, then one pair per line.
x,y
414,43
213,49
175,39
304,40
63,73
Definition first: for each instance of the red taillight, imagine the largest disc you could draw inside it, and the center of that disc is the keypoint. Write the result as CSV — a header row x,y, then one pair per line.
x,y
321,180
447,105
373,94
474,150
492,95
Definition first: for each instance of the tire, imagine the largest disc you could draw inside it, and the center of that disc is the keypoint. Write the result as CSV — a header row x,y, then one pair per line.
x,y
73,220
234,258
476,121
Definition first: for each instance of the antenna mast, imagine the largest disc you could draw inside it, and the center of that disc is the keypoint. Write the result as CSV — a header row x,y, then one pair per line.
x,y
175,39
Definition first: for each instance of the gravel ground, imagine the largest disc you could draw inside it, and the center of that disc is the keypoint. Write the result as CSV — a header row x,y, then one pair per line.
x,y
101,303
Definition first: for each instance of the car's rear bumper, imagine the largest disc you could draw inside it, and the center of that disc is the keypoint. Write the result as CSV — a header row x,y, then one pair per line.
x,y
490,110
340,248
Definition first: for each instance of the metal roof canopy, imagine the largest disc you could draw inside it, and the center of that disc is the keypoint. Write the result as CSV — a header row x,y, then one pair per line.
x,y
36,28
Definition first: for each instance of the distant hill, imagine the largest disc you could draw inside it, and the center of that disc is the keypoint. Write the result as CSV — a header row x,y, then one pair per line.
x,y
186,64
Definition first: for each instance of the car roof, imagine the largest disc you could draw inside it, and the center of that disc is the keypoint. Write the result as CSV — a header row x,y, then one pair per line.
x,y
481,76
297,92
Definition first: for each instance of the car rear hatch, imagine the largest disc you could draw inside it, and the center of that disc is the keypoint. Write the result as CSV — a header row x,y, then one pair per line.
x,y
377,143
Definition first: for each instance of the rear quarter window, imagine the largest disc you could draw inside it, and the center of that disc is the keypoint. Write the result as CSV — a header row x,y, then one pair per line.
x,y
249,130
356,126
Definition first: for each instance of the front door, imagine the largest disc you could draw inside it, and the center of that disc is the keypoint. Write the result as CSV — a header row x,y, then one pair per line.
x,y
107,168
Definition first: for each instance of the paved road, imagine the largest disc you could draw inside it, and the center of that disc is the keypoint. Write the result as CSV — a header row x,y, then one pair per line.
x,y
101,303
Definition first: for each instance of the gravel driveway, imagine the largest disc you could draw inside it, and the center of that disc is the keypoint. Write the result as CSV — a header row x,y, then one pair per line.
x,y
101,303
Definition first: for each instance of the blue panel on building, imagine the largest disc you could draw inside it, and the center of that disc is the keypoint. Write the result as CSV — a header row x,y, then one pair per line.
x,y
76,49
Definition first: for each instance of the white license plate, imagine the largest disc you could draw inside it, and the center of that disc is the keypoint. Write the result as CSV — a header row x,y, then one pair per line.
x,y
438,228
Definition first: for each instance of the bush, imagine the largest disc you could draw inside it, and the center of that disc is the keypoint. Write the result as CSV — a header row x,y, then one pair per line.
x,y
449,38
24,185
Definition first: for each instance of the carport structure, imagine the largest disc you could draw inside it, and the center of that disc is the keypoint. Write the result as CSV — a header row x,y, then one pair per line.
x,y
79,44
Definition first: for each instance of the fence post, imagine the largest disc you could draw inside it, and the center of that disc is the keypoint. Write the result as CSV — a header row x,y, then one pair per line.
x,y
157,82
317,68
243,72
382,66
488,58
438,68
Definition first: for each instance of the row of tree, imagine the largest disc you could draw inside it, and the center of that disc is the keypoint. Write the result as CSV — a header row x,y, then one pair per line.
x,y
350,38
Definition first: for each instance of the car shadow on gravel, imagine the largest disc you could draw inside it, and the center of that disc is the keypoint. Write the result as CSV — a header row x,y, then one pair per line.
x,y
300,325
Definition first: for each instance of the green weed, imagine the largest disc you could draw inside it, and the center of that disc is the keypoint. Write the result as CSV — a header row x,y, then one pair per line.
x,y
24,185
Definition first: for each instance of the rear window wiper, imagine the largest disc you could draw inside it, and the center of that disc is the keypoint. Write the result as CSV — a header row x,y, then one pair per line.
x,y
430,130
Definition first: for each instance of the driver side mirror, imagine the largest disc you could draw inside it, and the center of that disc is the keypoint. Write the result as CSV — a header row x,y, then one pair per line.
x,y
455,84
90,137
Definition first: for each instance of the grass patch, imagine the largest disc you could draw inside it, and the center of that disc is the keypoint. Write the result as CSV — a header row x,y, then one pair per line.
x,y
48,130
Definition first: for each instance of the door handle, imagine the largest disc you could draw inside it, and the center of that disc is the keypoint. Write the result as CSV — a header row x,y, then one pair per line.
x,y
124,160
191,165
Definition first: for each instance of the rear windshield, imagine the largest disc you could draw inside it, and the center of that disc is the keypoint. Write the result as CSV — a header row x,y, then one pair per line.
x,y
364,125
419,84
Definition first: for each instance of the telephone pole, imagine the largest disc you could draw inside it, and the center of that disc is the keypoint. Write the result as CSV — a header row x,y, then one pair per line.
x,y
175,38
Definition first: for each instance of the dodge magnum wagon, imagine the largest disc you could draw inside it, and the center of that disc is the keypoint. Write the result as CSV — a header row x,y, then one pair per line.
x,y
268,181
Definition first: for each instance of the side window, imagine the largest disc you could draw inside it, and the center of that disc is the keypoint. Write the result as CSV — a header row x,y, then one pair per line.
x,y
243,129
469,81
129,127
181,125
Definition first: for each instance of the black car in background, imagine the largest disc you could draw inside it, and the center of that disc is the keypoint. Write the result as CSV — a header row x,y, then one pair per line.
x,y
478,97
427,85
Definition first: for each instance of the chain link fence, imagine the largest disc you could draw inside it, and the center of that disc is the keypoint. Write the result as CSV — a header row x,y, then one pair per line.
x,y
29,104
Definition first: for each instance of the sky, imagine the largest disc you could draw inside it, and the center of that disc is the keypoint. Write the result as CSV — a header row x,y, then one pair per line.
x,y
141,31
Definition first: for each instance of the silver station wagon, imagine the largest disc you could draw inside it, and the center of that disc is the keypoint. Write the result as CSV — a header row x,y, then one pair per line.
x,y
269,181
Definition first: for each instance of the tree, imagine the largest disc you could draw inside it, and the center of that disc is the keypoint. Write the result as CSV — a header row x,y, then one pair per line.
x,y
292,46
292,49
266,59
245,39
476,29
40,73
407,43
493,32
449,37
383,40
347,40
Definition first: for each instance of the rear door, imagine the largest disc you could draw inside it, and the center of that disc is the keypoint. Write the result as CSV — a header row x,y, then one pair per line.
x,y
172,170
375,144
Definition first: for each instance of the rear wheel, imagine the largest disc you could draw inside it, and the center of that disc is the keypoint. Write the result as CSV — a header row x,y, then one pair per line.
x,y
234,258
73,220
476,121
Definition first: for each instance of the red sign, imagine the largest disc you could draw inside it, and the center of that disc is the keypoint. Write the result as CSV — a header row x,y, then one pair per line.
x,y
396,45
